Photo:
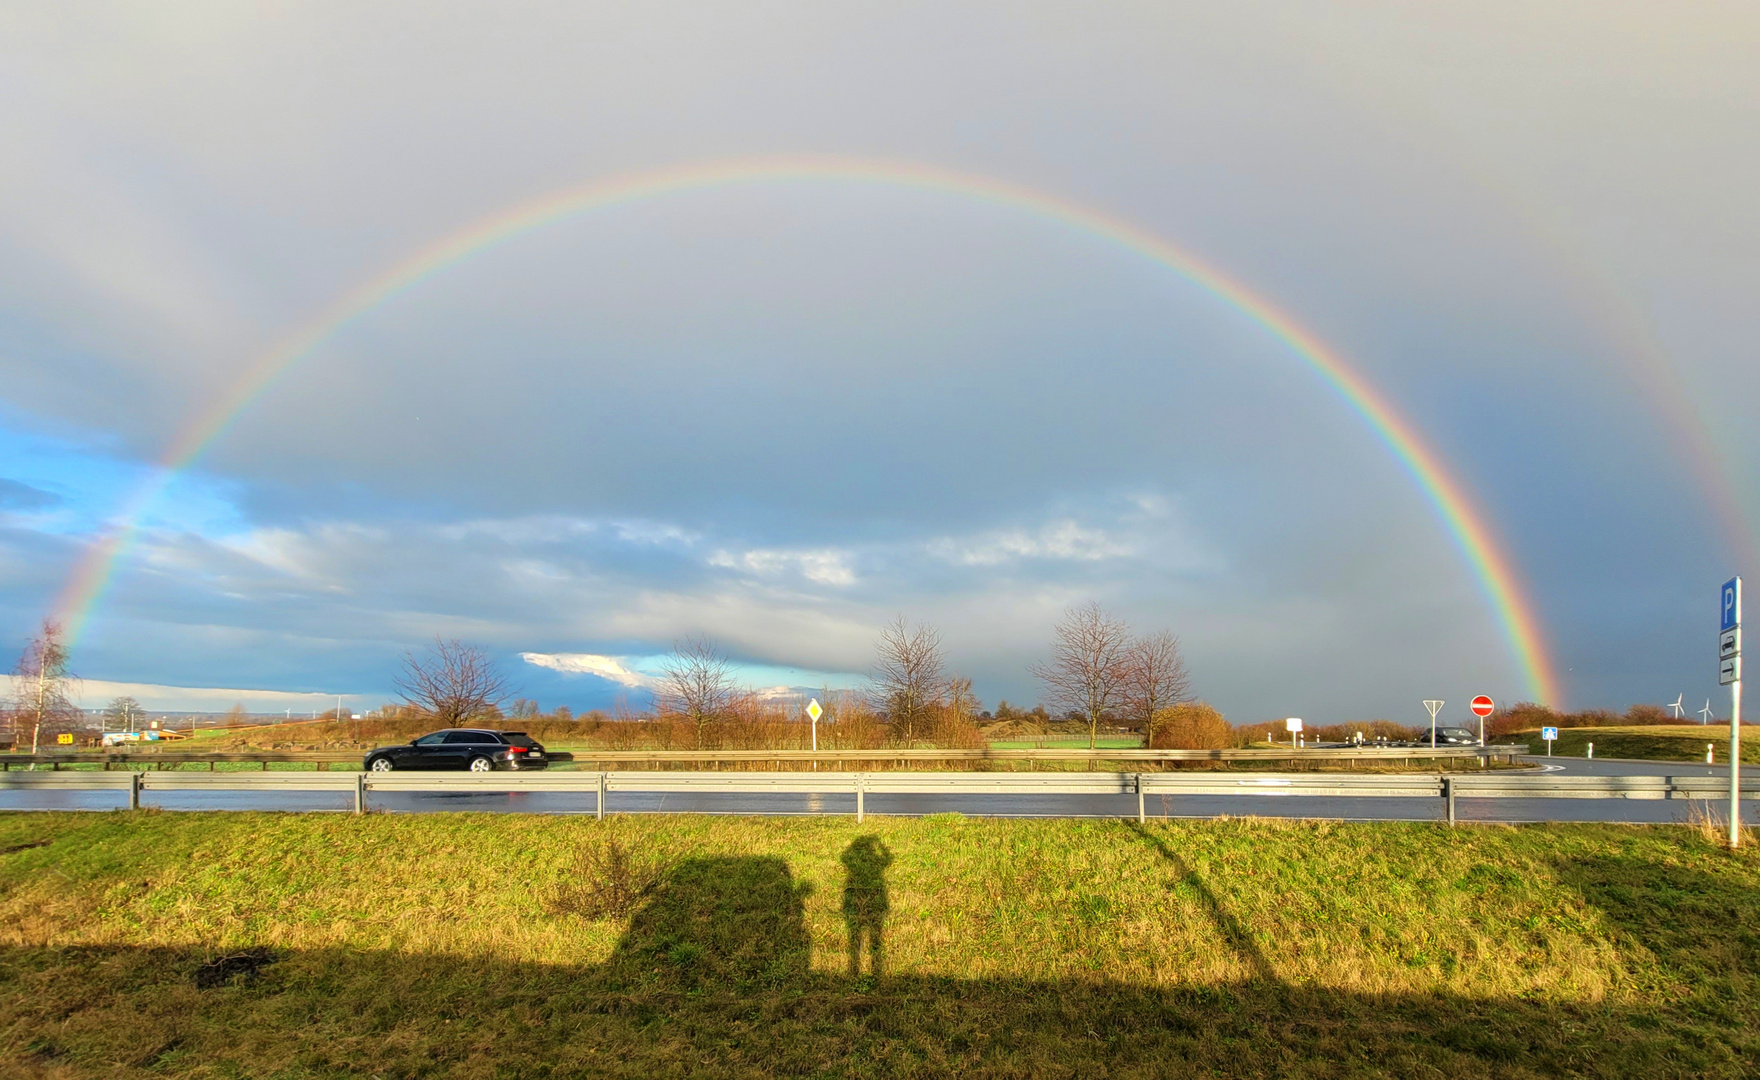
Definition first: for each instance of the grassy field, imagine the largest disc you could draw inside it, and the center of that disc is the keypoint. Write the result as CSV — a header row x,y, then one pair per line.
x,y
191,945
1683,743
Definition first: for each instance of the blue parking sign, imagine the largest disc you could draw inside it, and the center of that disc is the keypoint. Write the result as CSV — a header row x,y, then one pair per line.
x,y
1730,603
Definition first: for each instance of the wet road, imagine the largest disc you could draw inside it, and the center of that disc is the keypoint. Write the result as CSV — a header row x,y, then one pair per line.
x,y
1085,806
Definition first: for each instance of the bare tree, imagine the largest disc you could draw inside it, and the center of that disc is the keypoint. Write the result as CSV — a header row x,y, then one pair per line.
x,y
907,677
125,711
451,682
1154,678
1086,674
697,684
40,687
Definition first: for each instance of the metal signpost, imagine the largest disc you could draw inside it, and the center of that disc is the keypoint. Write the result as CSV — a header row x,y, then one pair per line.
x,y
1729,673
1434,707
1293,725
814,711
1482,707
1550,734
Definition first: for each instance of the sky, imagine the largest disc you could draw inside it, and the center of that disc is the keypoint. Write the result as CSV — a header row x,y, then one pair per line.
x,y
780,406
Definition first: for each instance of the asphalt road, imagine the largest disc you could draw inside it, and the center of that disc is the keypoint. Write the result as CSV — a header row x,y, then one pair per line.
x,y
1638,811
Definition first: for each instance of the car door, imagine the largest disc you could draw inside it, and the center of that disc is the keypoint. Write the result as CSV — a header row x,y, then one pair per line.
x,y
425,753
462,746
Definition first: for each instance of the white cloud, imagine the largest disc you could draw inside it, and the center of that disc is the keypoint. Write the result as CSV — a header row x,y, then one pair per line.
x,y
824,566
1066,540
612,668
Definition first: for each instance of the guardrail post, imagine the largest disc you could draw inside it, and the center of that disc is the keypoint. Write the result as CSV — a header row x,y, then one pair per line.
x,y
360,792
1141,818
599,804
134,790
1448,793
861,788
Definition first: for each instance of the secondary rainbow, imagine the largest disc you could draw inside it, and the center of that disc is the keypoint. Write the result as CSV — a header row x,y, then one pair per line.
x,y
1491,567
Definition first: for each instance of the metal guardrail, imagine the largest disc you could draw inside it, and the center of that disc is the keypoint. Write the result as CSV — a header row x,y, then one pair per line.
x,y
161,759
1350,785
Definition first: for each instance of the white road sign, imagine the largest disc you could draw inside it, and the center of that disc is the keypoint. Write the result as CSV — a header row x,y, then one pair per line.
x,y
1729,671
1729,644
814,710
1294,723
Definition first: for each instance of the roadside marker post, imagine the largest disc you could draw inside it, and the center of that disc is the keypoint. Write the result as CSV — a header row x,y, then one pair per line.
x,y
1729,673
815,710
1434,707
1550,735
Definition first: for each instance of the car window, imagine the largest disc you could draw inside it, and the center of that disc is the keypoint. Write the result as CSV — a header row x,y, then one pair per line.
x,y
519,738
454,738
432,740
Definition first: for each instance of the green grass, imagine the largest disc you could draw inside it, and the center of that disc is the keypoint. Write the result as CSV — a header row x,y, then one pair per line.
x,y
1682,743
431,946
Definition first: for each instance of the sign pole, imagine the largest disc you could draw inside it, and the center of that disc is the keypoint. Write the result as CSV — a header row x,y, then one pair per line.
x,y
814,710
1729,670
1735,763
1434,707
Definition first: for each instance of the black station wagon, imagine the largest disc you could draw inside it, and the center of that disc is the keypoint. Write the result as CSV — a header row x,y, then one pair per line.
x,y
462,748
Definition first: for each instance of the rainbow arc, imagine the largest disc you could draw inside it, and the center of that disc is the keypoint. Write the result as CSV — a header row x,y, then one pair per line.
x,y
1465,524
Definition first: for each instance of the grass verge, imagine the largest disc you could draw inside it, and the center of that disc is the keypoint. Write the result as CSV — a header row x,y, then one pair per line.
x,y
1683,743
208,945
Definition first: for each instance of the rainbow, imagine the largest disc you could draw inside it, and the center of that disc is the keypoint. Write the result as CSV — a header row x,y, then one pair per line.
x,y
1491,567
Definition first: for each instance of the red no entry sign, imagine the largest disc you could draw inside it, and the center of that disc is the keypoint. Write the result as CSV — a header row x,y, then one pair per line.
x,y
1483,706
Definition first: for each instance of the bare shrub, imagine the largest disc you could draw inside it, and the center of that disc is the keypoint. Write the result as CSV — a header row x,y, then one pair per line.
x,y
850,723
606,882
1192,725
953,723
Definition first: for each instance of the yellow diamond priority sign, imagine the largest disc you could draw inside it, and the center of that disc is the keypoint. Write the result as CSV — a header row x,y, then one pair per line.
x,y
814,710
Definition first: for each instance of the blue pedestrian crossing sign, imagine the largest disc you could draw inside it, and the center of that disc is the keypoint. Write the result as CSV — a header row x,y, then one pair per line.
x,y
1730,604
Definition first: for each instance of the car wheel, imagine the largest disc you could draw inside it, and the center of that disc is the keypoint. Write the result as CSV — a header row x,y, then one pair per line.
x,y
381,764
482,764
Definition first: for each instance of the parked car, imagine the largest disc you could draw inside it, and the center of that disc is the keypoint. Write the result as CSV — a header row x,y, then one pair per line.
x,y
1455,736
475,749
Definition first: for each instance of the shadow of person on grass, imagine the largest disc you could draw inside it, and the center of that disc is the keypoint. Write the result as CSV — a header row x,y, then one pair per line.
x,y
865,903
734,923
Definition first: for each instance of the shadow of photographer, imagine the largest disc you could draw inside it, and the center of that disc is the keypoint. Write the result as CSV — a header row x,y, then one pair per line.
x,y
866,903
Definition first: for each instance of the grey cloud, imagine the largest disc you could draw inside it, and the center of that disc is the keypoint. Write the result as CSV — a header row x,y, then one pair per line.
x,y
784,412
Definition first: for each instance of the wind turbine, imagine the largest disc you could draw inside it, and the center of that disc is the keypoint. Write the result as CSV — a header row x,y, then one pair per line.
x,y
1678,711
1705,713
